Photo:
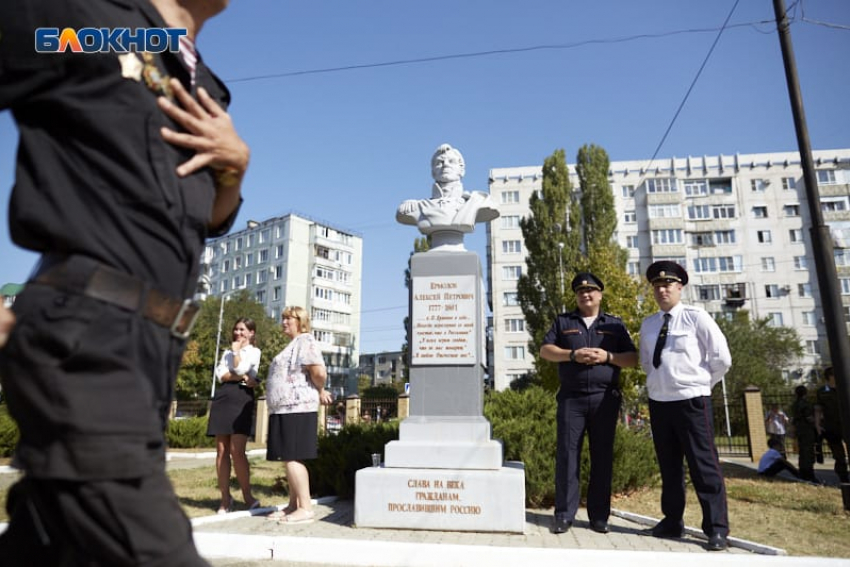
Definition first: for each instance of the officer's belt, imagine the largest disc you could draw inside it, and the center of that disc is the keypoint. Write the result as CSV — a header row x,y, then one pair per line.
x,y
109,285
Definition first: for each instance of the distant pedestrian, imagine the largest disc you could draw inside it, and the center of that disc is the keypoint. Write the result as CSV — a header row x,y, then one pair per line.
x,y
806,433
828,423
776,422
773,462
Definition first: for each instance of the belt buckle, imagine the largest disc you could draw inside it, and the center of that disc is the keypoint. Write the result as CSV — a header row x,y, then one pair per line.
x,y
190,308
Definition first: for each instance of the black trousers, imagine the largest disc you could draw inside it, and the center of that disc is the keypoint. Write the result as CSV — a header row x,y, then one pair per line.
x,y
595,415
89,385
686,429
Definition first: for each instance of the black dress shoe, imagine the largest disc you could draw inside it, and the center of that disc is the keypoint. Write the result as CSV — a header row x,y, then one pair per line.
x,y
717,542
560,525
599,526
659,530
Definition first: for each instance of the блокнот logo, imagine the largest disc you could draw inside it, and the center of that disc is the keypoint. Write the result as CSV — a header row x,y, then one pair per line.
x,y
104,40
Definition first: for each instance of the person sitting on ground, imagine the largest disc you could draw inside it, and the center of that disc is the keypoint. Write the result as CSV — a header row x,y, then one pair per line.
x,y
773,463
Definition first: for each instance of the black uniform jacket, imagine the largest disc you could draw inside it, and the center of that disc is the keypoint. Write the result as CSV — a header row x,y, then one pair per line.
x,y
94,176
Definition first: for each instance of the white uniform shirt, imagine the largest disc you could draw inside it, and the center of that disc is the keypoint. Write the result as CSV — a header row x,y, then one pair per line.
x,y
249,362
695,356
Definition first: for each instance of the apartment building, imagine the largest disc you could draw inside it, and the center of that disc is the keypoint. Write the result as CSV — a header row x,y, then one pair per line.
x,y
739,224
296,260
384,368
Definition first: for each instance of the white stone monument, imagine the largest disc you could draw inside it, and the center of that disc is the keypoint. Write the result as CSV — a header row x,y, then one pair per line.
x,y
445,472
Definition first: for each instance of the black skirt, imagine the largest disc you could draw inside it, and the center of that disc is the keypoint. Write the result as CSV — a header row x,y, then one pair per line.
x,y
293,436
231,410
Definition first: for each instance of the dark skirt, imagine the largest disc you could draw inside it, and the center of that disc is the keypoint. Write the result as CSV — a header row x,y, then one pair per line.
x,y
231,410
293,436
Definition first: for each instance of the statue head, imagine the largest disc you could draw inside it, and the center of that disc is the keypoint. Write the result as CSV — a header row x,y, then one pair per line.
x,y
447,165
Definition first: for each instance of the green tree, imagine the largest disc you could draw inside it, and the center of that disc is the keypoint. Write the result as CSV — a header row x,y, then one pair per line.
x,y
552,238
760,352
194,379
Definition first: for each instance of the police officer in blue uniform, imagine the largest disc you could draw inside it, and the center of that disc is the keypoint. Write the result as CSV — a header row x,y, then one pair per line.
x,y
126,162
684,354
590,346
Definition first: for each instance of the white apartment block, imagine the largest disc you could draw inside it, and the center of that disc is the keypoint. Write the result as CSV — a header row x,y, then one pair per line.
x,y
297,261
739,224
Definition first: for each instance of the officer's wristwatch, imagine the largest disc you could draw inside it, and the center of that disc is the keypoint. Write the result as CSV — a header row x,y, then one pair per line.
x,y
572,356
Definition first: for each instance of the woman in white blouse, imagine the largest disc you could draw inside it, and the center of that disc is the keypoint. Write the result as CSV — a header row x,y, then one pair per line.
x,y
294,390
231,412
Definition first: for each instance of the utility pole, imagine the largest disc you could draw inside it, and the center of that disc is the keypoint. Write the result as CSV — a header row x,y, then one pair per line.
x,y
822,246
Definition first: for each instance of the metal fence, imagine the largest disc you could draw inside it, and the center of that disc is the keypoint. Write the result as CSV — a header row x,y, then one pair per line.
x,y
730,426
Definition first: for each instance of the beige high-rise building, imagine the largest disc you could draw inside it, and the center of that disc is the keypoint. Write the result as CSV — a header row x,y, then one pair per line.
x,y
295,260
739,224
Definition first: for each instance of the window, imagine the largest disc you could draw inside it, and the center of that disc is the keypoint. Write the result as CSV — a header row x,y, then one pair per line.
x,y
695,187
699,212
804,290
276,293
724,236
249,259
633,268
789,183
323,336
775,319
262,276
251,240
795,235
263,256
812,347
719,264
278,251
826,177
668,236
791,210
227,247
324,273
845,285
771,291
671,211
763,236
800,263
760,212
847,313
225,267
632,241
261,296
265,235
514,325
759,185
832,205
323,293
842,256
809,318
510,299
768,264
239,243
702,239
511,272
628,191
509,197
723,211
510,221
515,352
237,263
708,292
630,217
720,186
237,282
512,246
661,185
278,272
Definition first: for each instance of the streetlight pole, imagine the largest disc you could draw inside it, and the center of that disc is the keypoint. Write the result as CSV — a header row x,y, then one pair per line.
x,y
561,272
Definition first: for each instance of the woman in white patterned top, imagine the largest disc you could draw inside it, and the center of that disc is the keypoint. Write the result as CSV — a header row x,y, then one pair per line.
x,y
294,390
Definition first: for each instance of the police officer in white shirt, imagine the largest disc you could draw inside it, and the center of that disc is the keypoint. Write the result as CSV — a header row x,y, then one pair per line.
x,y
684,354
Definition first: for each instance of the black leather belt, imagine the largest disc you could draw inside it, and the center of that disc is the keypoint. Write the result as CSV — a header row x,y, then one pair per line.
x,y
87,277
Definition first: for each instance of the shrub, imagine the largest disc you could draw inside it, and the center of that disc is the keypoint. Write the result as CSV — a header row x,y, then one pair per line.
x,y
525,421
343,454
187,433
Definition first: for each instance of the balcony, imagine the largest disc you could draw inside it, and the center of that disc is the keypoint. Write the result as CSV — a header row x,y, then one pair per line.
x,y
735,294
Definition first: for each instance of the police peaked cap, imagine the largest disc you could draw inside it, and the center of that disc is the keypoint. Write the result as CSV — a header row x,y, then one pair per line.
x,y
586,279
666,271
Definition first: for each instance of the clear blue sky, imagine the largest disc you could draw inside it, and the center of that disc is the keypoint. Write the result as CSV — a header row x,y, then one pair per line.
x,y
348,146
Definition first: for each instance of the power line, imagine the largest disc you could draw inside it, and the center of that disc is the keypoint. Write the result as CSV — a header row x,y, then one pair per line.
x,y
492,52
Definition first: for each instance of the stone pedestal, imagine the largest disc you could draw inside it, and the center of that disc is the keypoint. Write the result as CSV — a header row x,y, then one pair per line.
x,y
445,472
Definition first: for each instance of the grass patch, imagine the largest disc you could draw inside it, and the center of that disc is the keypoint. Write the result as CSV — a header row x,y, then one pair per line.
x,y
801,518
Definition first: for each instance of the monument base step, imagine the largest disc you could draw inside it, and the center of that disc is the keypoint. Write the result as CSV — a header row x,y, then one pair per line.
x,y
486,455
435,499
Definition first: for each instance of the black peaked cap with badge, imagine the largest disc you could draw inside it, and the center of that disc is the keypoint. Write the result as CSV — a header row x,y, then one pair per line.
x,y
586,279
666,271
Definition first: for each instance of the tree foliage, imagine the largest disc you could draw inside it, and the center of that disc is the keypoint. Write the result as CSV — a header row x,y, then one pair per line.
x,y
589,244
760,352
553,221
194,378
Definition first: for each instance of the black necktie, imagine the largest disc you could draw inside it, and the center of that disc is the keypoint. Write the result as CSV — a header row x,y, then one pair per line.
x,y
659,344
